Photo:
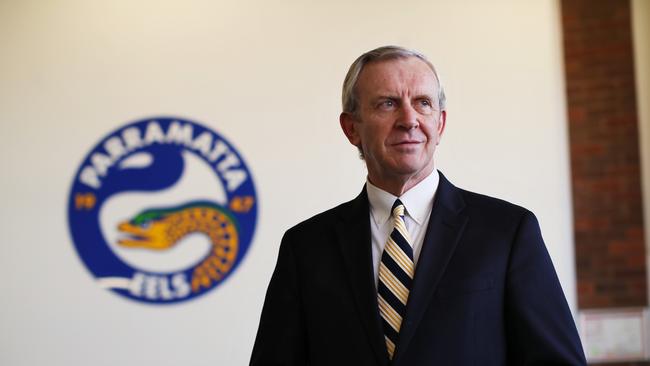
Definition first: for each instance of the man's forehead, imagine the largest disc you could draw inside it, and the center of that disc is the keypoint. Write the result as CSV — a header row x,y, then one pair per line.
x,y
396,75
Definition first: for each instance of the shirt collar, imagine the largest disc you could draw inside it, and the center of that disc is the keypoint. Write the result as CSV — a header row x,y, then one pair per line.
x,y
417,201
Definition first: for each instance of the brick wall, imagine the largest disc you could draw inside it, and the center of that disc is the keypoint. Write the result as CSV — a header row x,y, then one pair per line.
x,y
603,132
605,165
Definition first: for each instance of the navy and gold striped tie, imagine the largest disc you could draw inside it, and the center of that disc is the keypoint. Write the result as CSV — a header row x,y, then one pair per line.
x,y
395,278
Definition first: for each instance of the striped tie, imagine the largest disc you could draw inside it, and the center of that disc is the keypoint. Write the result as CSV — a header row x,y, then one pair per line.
x,y
395,277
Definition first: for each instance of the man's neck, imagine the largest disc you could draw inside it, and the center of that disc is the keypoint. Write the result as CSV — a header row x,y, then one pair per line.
x,y
397,186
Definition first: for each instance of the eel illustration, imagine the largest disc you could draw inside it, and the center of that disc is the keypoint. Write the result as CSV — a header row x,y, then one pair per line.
x,y
162,228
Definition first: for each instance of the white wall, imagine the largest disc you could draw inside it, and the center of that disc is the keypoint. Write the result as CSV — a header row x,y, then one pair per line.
x,y
266,75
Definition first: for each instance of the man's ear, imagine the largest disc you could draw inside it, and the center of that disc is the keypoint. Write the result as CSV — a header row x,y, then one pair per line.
x,y
442,122
349,127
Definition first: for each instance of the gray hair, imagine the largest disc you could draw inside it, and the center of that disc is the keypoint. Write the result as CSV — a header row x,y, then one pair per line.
x,y
350,98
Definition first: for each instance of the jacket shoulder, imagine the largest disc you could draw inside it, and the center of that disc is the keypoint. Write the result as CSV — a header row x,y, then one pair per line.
x,y
490,203
324,221
457,199
495,212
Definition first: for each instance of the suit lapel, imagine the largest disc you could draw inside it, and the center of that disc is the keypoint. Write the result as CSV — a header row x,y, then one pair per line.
x,y
445,228
353,231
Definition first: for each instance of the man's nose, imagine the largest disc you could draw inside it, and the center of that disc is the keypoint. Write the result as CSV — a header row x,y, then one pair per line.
x,y
408,117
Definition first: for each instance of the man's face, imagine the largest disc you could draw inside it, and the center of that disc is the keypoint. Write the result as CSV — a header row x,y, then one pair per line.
x,y
398,123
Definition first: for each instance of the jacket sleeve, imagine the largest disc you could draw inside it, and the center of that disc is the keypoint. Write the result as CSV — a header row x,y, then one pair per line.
x,y
281,336
540,327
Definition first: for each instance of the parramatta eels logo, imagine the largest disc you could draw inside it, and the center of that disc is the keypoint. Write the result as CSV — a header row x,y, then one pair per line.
x,y
162,210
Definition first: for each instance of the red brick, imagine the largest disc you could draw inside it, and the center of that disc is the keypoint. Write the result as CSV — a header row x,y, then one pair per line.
x,y
603,137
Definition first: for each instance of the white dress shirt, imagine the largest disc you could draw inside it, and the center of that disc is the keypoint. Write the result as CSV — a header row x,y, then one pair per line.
x,y
417,202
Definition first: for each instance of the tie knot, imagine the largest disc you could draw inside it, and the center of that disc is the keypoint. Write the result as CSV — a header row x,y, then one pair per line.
x,y
398,208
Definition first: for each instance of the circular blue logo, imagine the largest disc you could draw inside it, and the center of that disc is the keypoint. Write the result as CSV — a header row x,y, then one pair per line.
x,y
162,210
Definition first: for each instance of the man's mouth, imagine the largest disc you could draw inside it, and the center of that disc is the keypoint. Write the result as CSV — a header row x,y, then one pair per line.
x,y
406,143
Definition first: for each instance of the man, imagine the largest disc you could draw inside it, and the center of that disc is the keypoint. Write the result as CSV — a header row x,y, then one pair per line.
x,y
414,271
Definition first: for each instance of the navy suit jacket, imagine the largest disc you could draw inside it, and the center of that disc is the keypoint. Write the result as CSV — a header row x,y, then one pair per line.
x,y
484,293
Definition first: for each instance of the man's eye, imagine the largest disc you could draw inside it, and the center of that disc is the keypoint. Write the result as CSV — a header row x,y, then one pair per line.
x,y
386,104
424,106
